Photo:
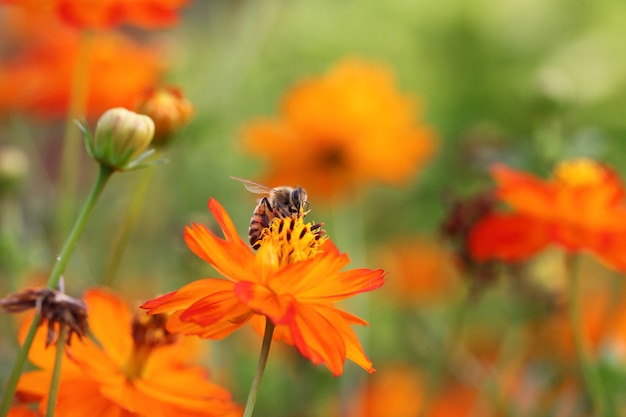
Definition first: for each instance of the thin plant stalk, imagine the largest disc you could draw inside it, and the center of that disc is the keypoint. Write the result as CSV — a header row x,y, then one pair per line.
x,y
56,371
70,155
53,281
591,378
130,221
446,355
260,369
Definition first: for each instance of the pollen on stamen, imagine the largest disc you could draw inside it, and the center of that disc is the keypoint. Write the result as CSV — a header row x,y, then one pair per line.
x,y
292,242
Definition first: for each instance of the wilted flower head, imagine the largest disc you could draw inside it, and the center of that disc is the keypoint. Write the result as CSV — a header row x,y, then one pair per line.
x,y
463,214
169,110
121,138
56,308
294,280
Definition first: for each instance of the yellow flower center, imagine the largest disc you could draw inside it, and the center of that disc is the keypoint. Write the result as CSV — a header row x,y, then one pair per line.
x,y
578,172
148,333
290,240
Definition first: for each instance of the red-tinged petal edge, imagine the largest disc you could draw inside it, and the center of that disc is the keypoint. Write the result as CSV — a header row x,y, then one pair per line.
x,y
186,296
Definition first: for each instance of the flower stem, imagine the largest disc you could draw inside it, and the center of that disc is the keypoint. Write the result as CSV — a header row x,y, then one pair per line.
x,y
56,372
123,236
265,351
71,141
61,263
591,379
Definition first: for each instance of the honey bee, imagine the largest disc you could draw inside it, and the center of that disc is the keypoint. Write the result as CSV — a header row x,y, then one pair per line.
x,y
280,202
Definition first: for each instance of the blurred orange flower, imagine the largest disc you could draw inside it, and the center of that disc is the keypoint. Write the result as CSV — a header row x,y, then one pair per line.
x,y
292,280
107,14
581,207
419,270
119,70
341,131
395,391
135,369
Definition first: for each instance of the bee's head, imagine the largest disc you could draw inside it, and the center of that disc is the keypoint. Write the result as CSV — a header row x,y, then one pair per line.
x,y
298,200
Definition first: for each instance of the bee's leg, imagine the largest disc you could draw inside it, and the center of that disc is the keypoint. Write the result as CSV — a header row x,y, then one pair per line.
x,y
267,208
279,211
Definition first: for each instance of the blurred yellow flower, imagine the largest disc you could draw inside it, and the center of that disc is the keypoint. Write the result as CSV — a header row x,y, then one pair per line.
x,y
342,131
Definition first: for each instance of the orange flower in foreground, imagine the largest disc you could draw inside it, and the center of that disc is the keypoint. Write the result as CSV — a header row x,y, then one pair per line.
x,y
21,411
138,369
107,14
291,280
581,207
119,71
343,131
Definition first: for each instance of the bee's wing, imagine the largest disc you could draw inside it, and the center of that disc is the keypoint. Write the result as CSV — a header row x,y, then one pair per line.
x,y
254,187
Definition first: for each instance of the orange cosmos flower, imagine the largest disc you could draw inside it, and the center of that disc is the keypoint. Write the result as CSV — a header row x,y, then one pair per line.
x,y
107,14
119,71
292,280
135,369
396,391
581,207
339,132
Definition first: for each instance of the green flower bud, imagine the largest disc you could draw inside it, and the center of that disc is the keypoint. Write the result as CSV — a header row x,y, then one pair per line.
x,y
121,137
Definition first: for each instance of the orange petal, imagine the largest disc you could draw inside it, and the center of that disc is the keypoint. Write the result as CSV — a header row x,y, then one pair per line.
x,y
317,338
231,256
507,237
217,314
354,350
109,320
318,280
216,331
525,192
34,384
186,296
188,389
82,397
263,301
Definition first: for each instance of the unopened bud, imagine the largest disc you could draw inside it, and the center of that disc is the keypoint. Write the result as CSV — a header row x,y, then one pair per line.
x,y
169,109
121,136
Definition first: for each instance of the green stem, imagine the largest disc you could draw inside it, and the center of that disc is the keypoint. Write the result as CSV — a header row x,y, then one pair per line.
x,y
56,372
591,379
445,356
265,351
62,260
121,240
70,156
